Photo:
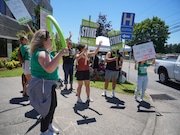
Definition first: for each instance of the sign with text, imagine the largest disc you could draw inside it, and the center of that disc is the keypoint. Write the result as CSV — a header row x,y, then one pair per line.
x,y
19,11
88,31
115,40
43,14
127,24
144,51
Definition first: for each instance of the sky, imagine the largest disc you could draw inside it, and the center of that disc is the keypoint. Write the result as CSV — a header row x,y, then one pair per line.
x,y
69,14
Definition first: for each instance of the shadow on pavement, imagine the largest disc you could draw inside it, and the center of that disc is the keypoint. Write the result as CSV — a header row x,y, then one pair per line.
x,y
19,100
116,101
81,107
65,92
147,106
171,84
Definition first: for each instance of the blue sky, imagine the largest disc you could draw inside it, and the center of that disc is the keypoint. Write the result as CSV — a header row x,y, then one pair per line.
x,y
69,13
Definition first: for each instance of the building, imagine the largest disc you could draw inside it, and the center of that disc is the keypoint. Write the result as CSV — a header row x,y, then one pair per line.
x,y
9,27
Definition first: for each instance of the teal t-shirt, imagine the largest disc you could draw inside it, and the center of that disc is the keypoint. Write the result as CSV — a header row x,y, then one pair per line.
x,y
142,69
38,71
25,52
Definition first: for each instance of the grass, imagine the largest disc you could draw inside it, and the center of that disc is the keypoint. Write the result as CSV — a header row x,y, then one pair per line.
x,y
11,73
124,88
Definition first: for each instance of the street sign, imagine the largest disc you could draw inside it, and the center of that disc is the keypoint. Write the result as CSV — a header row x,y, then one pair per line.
x,y
127,24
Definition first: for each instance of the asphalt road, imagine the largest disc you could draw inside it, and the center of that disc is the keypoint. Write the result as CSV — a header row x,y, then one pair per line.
x,y
166,98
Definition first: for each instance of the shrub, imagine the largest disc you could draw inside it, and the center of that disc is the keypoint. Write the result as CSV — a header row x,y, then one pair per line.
x,y
2,63
10,65
16,63
13,55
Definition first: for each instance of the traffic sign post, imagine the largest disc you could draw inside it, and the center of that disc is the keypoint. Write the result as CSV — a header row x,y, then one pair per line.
x,y
127,24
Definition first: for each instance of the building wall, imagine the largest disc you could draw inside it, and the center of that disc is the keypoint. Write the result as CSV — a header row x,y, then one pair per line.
x,y
9,27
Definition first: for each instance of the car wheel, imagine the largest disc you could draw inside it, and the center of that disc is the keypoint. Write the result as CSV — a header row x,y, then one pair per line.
x,y
163,77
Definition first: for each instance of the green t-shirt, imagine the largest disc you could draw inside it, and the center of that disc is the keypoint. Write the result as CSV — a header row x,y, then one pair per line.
x,y
25,52
38,71
142,69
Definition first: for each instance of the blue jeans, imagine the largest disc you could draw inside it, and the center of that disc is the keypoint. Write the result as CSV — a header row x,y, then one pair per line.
x,y
68,71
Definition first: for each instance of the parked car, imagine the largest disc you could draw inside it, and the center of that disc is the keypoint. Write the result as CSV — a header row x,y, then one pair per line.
x,y
168,68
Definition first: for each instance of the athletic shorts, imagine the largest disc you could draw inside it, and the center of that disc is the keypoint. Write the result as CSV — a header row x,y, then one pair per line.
x,y
26,67
82,75
109,74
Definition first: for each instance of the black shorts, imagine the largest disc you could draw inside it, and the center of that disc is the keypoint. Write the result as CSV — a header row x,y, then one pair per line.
x,y
82,75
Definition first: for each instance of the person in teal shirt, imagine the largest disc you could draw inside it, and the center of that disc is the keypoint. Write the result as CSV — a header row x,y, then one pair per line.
x,y
44,70
24,50
142,78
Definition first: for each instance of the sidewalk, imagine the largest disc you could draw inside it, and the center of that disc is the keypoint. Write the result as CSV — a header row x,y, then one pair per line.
x,y
104,116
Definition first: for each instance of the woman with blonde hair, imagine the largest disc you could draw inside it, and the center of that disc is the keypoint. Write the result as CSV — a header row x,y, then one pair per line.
x,y
44,70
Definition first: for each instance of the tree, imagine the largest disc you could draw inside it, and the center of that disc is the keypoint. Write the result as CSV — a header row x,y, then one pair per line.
x,y
153,30
104,25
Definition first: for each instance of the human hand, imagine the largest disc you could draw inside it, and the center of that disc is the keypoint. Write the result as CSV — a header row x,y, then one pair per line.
x,y
65,51
100,42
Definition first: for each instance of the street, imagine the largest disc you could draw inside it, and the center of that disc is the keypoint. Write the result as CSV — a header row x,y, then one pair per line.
x,y
166,98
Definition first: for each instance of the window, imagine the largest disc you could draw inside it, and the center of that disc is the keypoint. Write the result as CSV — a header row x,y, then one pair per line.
x,y
2,7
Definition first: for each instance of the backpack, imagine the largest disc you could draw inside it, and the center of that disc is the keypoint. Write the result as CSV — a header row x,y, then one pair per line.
x,y
20,58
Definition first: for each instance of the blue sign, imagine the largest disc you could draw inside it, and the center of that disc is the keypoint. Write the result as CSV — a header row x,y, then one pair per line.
x,y
127,24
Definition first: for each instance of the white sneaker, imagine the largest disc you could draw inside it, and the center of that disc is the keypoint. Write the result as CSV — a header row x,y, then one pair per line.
x,y
104,94
113,94
89,99
48,132
52,128
79,100
141,100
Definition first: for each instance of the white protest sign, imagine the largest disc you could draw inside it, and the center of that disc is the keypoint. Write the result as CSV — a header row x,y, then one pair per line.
x,y
144,51
43,15
19,11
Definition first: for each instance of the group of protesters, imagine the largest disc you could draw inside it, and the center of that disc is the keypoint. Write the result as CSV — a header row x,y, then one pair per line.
x,y
40,67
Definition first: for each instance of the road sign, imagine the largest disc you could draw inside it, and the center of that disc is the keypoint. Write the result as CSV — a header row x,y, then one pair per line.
x,y
127,24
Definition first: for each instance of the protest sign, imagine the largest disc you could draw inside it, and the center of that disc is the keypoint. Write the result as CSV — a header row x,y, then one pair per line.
x,y
43,15
115,40
144,51
88,31
19,11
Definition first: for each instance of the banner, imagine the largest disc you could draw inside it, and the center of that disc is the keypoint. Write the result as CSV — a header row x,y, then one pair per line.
x,y
115,40
88,31
43,15
144,51
19,11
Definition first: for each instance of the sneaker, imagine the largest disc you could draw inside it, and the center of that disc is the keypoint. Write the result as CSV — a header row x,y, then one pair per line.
x,y
47,132
79,100
135,98
141,100
104,94
52,128
89,99
112,94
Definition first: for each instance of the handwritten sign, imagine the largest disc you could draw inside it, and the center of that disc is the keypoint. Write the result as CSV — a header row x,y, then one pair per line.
x,y
19,11
144,51
43,15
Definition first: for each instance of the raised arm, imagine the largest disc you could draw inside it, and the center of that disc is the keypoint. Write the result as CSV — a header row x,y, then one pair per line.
x,y
95,51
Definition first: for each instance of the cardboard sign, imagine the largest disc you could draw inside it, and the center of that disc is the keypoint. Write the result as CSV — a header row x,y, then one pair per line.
x,y
19,11
144,51
43,15
88,31
115,40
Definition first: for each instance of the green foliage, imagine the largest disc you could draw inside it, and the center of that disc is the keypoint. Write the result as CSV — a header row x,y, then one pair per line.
x,y
2,63
13,55
10,65
153,30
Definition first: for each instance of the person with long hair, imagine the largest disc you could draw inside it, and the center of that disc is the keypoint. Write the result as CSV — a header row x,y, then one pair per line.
x,y
82,73
44,70
25,55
